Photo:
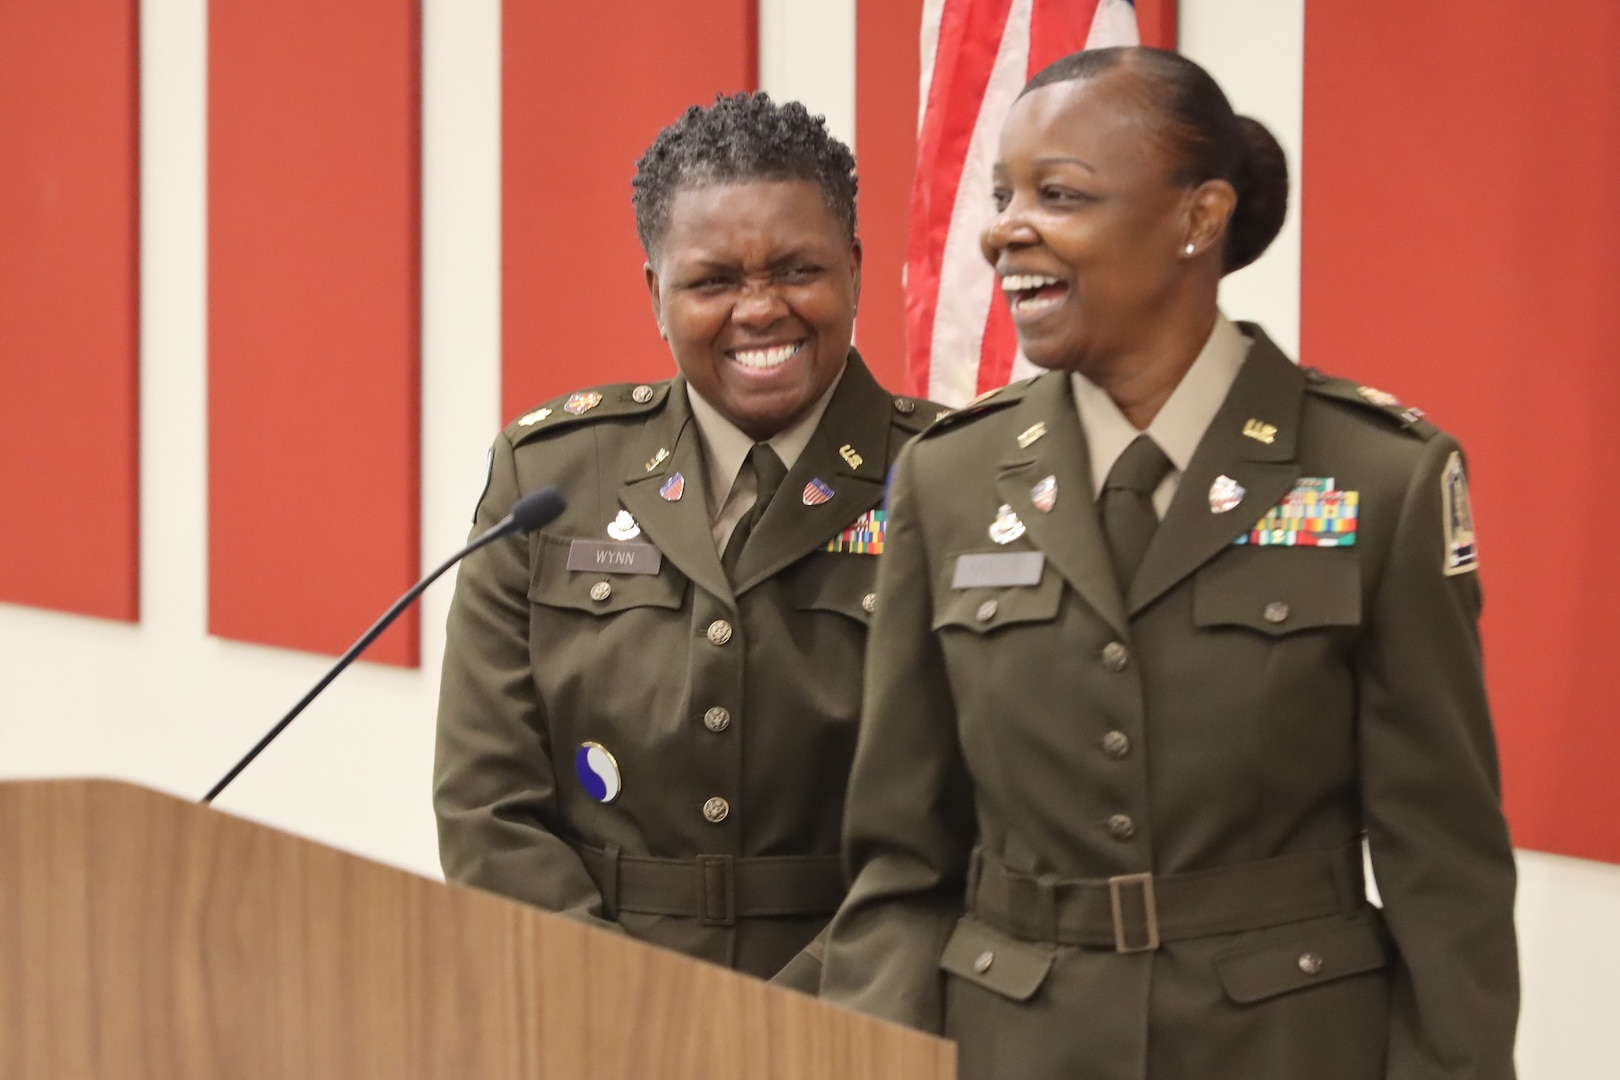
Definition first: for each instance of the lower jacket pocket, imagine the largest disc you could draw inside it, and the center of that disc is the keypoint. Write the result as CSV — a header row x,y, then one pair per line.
x,y
1320,955
1004,965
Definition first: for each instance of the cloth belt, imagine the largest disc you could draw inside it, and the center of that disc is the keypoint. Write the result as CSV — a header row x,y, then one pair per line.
x,y
1136,912
718,889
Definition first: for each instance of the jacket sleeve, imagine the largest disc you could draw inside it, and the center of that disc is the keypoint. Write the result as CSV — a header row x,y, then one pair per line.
x,y
1431,799
494,782
908,822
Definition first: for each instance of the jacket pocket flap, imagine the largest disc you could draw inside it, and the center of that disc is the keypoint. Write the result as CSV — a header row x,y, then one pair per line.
x,y
599,592
986,610
986,957
836,581
1255,973
1279,590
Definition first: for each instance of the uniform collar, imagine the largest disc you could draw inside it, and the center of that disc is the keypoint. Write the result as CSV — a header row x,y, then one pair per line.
x,y
1182,420
725,446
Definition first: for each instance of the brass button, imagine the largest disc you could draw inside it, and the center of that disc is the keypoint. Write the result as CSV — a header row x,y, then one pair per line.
x,y
1115,656
1276,612
1116,744
715,810
982,962
869,602
1310,963
904,406
1121,827
641,394
717,718
719,632
601,591
986,612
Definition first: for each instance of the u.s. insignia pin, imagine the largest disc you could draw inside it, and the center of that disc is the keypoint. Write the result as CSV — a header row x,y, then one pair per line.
x,y
1006,528
1224,494
624,527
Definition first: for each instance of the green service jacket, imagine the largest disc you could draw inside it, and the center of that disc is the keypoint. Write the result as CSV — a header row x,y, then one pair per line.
x,y
728,714
1247,711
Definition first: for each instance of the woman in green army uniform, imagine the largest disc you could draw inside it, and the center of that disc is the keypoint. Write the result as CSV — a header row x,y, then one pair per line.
x,y
649,709
1115,772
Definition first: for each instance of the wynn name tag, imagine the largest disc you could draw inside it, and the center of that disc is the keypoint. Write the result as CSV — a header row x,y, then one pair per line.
x,y
998,570
615,557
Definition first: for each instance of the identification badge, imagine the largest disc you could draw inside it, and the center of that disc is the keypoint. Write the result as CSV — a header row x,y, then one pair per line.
x,y
998,570
616,558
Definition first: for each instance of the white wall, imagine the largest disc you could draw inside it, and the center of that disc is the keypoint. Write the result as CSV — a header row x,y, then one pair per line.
x,y
164,704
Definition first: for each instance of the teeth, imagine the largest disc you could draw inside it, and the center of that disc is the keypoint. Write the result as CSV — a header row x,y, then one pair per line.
x,y
1022,282
760,359
1033,305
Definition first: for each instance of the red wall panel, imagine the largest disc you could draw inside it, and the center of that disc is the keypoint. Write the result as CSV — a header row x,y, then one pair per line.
x,y
1460,250
585,87
887,73
69,315
313,321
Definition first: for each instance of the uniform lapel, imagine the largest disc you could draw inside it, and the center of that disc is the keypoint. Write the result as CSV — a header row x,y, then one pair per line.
x,y
1264,401
681,528
849,453
1069,533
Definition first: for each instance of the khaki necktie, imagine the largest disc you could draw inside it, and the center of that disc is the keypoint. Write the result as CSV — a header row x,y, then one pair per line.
x,y
769,472
1126,506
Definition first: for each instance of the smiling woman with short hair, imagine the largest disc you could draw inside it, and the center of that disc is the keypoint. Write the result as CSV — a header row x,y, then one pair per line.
x,y
648,709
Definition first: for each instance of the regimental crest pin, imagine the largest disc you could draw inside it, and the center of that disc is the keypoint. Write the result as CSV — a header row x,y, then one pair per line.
x,y
658,458
1006,528
581,403
1044,495
817,492
1225,494
673,488
598,772
624,527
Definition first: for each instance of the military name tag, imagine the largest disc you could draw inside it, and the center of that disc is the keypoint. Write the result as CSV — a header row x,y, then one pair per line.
x,y
998,570
614,558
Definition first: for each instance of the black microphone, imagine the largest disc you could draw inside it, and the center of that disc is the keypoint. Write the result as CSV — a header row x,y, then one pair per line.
x,y
528,514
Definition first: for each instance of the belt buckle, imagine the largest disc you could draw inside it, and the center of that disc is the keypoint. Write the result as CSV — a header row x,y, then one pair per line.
x,y
1150,911
717,884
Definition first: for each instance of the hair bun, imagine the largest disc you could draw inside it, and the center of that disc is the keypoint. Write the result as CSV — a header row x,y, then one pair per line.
x,y
1261,182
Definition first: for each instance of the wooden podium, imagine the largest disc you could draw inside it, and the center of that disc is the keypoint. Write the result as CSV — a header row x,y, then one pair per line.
x,y
143,936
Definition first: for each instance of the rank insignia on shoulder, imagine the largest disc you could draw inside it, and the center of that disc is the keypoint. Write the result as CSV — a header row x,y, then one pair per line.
x,y
1462,549
529,419
1311,515
864,537
1381,398
582,403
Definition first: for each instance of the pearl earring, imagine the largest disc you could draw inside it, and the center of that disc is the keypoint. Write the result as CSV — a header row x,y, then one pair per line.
x,y
1190,249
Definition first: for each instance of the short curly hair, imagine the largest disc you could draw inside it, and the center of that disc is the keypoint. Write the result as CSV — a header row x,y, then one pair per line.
x,y
739,139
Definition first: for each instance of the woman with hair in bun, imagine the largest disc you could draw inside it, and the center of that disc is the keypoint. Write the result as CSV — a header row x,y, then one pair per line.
x,y
1163,635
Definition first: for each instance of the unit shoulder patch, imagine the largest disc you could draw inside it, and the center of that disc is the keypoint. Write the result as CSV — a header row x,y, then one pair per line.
x,y
582,406
1462,547
1410,418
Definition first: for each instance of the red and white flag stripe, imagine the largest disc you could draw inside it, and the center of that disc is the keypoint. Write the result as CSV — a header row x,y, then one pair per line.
x,y
976,56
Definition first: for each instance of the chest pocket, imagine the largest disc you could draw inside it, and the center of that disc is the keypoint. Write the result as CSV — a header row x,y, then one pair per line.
x,y
986,610
554,585
1279,590
836,581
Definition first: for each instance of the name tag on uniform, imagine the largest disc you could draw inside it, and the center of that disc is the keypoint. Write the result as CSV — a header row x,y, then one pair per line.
x,y
998,570
617,557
